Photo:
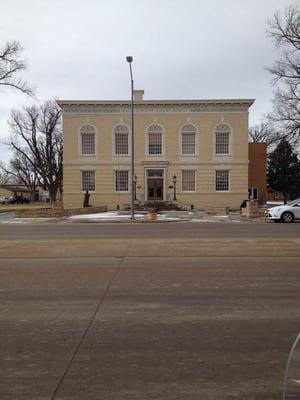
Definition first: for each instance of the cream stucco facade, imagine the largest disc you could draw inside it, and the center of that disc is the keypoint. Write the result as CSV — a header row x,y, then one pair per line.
x,y
203,143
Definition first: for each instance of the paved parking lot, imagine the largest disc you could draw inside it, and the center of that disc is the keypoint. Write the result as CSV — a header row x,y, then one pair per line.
x,y
162,311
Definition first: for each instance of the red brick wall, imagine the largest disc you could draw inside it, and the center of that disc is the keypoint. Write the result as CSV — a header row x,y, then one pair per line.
x,y
257,177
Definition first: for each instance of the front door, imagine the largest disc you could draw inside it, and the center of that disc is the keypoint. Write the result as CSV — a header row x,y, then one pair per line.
x,y
155,184
155,189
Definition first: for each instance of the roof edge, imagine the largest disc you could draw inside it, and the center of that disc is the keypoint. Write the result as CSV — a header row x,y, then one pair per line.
x,y
248,102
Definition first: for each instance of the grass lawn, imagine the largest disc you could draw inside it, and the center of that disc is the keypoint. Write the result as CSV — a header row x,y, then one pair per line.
x,y
17,207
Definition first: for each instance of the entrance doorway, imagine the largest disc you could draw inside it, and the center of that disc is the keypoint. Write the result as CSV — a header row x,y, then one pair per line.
x,y
155,184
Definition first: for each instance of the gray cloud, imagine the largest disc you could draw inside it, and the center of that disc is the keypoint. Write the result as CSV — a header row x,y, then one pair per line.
x,y
76,49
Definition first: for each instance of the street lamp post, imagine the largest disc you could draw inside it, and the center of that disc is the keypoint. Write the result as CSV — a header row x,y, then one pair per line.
x,y
129,59
174,184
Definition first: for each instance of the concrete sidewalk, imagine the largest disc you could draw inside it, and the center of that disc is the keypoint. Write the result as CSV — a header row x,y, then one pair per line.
x,y
125,217
163,216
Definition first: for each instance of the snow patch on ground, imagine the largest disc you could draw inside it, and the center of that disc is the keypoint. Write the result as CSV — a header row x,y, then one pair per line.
x,y
115,215
119,216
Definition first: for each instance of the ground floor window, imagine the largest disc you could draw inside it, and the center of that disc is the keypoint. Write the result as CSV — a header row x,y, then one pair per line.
x,y
88,181
222,180
188,181
121,181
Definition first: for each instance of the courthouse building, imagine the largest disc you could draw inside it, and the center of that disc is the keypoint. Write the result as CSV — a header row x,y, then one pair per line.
x,y
193,150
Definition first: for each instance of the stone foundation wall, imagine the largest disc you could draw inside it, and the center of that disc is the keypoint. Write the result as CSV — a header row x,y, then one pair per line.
x,y
86,210
35,213
57,211
252,210
216,210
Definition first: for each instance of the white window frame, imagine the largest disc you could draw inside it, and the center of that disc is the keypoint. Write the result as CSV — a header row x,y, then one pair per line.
x,y
182,173
81,180
222,170
162,140
114,141
94,132
182,132
115,181
225,128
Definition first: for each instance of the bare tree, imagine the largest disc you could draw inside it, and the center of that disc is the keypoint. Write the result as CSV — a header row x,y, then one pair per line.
x,y
285,32
37,138
286,112
11,64
21,171
265,133
3,177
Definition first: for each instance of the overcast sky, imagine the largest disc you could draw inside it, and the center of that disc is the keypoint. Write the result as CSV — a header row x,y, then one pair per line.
x,y
182,49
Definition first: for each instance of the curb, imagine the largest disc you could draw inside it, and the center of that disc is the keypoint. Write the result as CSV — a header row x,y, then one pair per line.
x,y
136,221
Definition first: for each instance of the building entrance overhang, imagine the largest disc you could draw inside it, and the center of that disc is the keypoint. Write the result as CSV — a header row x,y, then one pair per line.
x,y
155,164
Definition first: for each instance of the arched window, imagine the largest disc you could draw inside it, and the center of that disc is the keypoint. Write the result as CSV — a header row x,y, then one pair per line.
x,y
188,140
222,139
121,134
154,139
87,133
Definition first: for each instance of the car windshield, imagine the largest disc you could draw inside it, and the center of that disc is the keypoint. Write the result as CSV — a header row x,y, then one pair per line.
x,y
293,202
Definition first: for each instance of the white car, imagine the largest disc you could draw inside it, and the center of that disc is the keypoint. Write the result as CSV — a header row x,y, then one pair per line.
x,y
286,213
4,200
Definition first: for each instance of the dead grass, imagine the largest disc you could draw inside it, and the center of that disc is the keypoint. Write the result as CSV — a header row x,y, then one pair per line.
x,y
19,207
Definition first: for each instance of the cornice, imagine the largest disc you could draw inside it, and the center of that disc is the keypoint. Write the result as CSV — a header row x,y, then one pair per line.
x,y
156,164
155,106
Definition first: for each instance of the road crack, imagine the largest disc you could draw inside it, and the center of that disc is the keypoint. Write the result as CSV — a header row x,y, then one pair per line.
x,y
91,321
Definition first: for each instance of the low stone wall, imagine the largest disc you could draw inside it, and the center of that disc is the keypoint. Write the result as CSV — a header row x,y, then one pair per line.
x,y
57,211
85,210
35,213
217,210
252,210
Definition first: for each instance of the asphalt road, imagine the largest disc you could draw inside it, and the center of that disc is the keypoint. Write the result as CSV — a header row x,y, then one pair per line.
x,y
148,230
147,311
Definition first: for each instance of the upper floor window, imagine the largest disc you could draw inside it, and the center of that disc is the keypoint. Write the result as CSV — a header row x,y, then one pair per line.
x,y
154,139
222,137
121,140
88,134
188,140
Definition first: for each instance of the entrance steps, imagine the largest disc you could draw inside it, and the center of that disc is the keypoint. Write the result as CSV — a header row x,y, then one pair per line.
x,y
157,205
